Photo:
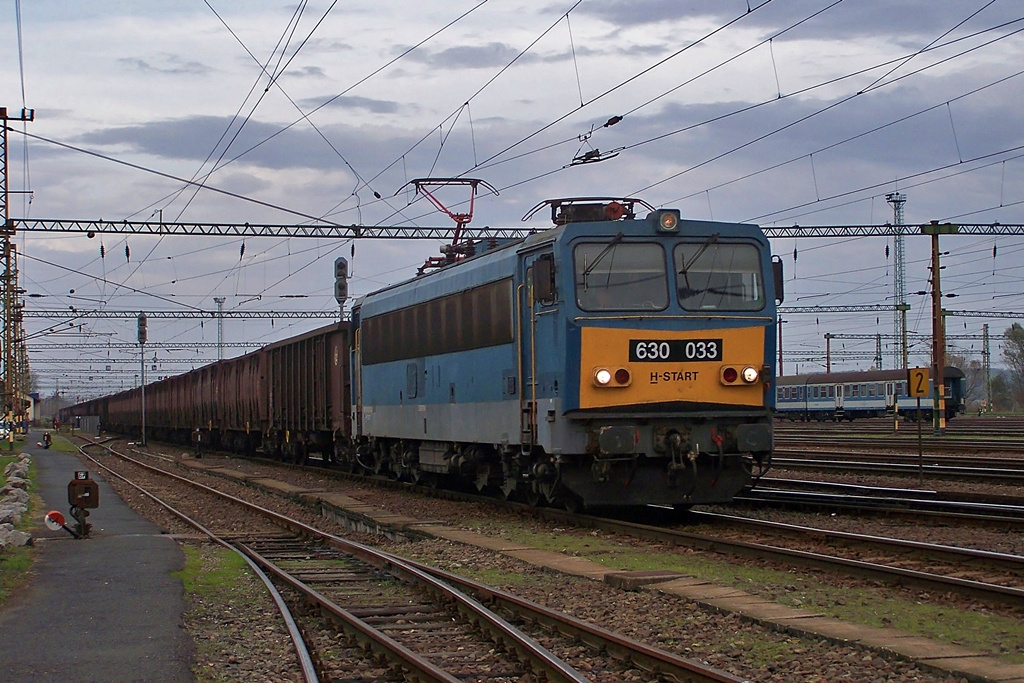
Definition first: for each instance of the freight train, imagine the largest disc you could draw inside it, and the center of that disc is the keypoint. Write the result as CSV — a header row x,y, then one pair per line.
x,y
610,360
871,393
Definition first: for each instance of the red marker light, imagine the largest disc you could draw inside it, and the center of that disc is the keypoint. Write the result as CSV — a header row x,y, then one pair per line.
x,y
622,376
729,375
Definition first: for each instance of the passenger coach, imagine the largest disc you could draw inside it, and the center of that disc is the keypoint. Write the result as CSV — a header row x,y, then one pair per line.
x,y
862,394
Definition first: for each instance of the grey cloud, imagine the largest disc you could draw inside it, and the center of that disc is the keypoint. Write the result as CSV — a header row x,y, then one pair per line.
x,y
306,72
466,56
355,102
173,65
845,20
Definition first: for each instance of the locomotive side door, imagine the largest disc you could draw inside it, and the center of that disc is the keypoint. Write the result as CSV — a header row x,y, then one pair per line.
x,y
534,335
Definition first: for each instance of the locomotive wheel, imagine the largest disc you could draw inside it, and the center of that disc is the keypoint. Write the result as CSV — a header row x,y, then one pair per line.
x,y
571,502
532,497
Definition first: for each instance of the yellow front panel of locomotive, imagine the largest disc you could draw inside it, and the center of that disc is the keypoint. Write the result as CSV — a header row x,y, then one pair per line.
x,y
673,380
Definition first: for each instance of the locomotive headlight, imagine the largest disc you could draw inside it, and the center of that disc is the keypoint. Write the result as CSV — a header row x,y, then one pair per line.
x,y
750,375
612,377
667,220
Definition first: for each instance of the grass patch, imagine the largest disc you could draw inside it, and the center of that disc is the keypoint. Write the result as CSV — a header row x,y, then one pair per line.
x,y
985,632
495,577
62,444
218,588
15,568
214,574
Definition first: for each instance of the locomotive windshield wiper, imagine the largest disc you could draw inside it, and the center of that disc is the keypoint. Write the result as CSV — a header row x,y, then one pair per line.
x,y
688,291
601,255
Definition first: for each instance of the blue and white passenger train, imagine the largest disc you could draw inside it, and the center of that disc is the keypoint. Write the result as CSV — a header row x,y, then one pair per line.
x,y
870,393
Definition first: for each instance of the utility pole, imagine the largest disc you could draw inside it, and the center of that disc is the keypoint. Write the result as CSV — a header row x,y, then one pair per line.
x,y
938,328
828,351
219,300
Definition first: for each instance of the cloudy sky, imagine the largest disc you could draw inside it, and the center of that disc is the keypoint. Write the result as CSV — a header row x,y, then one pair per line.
x,y
782,112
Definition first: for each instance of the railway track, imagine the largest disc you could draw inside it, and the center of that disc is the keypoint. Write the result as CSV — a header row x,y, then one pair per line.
x,y
897,442
415,618
970,426
957,508
999,471
999,588
888,562
927,565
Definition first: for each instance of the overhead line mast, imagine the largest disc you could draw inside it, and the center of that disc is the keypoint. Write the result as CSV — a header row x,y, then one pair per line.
x,y
14,360
898,199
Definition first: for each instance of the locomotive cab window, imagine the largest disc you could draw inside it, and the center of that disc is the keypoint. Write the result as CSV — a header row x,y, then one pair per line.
x,y
713,275
613,276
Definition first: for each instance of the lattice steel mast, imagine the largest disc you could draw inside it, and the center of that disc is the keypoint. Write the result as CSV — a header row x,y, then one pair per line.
x,y
899,290
13,358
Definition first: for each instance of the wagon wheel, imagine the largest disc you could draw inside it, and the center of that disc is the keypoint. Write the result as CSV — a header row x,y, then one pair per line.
x,y
343,459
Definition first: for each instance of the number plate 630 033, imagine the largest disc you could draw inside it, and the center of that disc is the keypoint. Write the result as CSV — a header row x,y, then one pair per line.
x,y
674,350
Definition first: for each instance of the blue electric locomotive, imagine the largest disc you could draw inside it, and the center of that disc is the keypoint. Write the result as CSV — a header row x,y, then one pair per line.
x,y
608,361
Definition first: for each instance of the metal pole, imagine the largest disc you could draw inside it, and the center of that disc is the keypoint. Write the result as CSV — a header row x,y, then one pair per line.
x,y
920,448
220,326
143,336
938,343
780,346
142,355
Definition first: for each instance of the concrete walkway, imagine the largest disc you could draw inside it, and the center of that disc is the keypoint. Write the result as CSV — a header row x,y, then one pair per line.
x,y
103,608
